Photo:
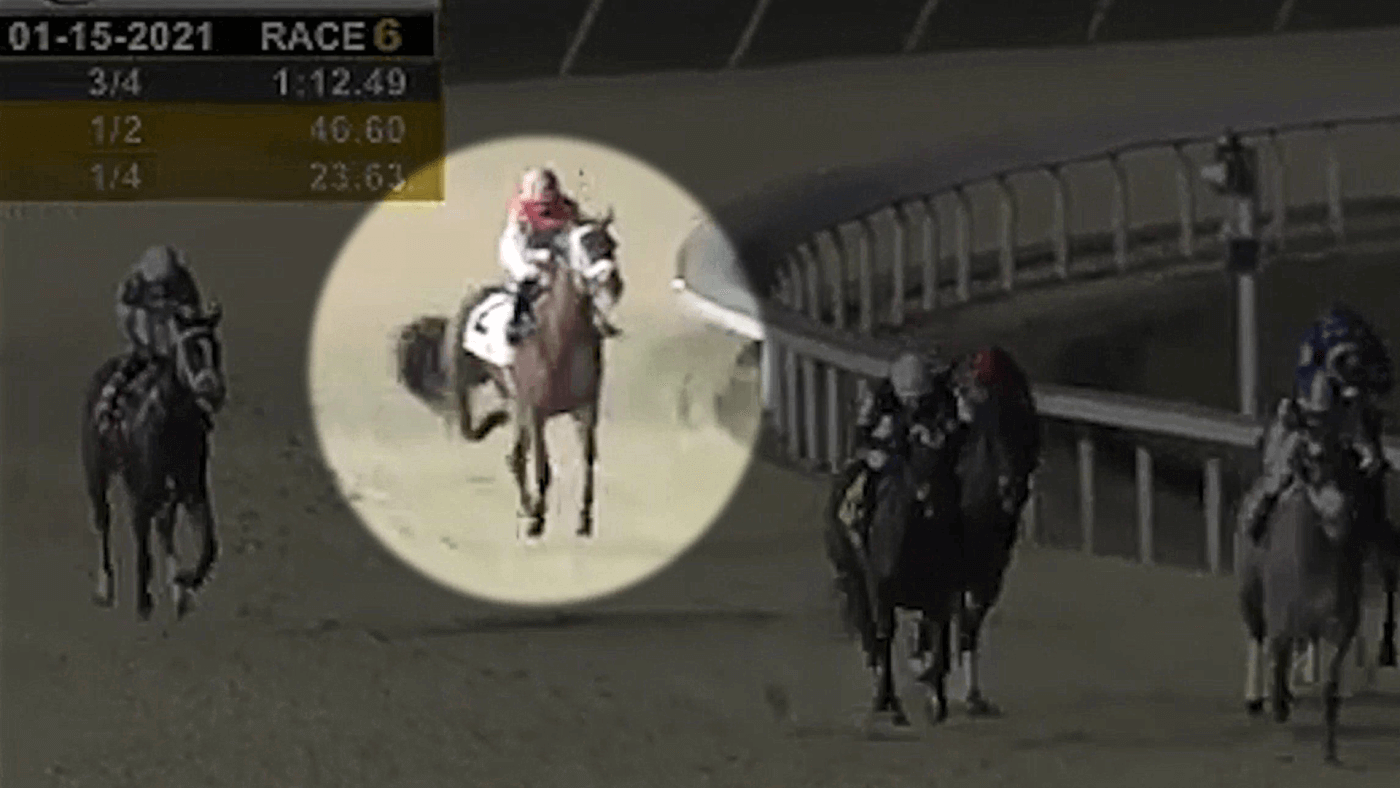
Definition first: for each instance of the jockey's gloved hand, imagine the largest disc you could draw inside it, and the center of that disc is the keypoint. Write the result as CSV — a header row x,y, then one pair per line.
x,y
876,459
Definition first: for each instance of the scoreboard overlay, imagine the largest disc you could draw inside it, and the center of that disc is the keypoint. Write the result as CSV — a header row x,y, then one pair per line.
x,y
217,100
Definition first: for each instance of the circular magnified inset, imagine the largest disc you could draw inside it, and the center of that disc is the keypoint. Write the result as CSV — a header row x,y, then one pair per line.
x,y
450,507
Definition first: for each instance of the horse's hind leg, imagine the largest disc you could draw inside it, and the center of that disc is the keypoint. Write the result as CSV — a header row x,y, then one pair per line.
x,y
165,531
886,699
1252,607
141,518
587,422
1332,697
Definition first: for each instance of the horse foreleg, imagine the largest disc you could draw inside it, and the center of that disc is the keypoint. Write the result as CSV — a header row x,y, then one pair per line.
x,y
587,423
542,475
1390,577
202,514
1282,663
973,613
886,699
141,525
934,675
1332,695
165,531
104,593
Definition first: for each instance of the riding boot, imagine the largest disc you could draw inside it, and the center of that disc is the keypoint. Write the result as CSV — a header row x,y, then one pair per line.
x,y
522,321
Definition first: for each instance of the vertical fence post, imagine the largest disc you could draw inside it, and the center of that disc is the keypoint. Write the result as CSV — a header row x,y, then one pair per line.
x,y
791,427
1059,230
932,251
1334,187
1086,494
838,278
1007,232
811,267
1121,216
768,384
1185,202
835,434
865,264
811,413
1278,190
964,242
900,244
1211,504
1030,513
1145,507
798,298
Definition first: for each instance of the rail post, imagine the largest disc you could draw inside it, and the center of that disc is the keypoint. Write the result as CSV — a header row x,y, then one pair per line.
x,y
1211,502
838,278
1059,230
1145,507
1334,188
1278,190
964,242
1185,202
932,251
1121,215
1006,230
1086,494
900,243
865,264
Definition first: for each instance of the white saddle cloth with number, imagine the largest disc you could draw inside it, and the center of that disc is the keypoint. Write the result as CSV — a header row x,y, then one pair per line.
x,y
484,334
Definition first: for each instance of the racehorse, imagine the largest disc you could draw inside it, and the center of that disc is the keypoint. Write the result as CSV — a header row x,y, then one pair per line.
x,y
911,561
946,574
999,453
1304,581
160,450
555,370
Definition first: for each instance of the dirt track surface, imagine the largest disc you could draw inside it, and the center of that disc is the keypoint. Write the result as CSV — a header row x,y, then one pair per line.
x,y
317,659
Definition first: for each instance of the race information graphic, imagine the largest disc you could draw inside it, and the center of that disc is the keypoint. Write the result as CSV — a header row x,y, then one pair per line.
x,y
283,106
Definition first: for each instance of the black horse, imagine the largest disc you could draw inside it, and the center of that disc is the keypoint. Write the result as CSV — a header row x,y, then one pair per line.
x,y
948,566
999,453
159,447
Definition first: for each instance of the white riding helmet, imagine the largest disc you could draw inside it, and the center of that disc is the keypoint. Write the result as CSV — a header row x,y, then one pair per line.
x,y
160,262
537,182
910,376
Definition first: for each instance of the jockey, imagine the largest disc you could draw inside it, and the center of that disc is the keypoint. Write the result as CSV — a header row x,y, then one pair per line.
x,y
538,220
914,404
158,287
1341,360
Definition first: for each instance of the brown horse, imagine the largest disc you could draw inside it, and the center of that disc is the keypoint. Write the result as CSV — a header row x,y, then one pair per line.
x,y
555,370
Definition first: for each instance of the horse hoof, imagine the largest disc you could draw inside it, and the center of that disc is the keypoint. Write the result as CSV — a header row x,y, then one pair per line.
x,y
981,707
935,711
143,609
184,602
1254,707
103,597
585,531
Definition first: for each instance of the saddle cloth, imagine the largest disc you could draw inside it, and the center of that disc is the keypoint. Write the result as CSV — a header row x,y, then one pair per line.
x,y
484,334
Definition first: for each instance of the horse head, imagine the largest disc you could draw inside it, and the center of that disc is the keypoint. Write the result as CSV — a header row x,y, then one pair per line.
x,y
593,260
199,357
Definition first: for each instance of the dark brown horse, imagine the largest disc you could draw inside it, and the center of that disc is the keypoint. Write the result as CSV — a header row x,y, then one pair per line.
x,y
160,449
946,573
556,370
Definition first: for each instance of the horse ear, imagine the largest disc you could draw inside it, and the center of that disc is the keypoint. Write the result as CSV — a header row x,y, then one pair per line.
x,y
608,217
216,313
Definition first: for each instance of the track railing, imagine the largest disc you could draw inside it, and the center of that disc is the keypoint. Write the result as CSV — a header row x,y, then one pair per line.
x,y
818,322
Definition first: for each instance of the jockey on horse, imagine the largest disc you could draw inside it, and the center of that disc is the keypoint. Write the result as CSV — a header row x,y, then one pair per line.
x,y
538,222
914,405
159,287
1341,362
